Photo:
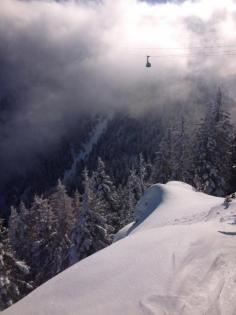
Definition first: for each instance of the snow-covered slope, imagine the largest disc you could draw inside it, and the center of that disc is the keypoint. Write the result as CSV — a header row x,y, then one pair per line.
x,y
180,258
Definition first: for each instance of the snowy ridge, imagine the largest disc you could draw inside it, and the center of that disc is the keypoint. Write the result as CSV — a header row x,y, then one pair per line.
x,y
177,260
175,202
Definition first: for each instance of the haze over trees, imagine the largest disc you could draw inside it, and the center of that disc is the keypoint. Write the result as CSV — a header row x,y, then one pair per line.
x,y
58,228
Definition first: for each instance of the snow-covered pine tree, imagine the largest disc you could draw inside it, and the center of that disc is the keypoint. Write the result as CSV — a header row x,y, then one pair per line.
x,y
20,232
129,194
30,236
76,203
62,205
13,273
134,184
13,229
41,237
107,200
213,150
142,174
128,202
73,253
162,165
138,179
131,200
181,151
91,233
62,225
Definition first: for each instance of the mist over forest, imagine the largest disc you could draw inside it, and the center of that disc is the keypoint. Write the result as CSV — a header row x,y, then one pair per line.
x,y
100,100
63,60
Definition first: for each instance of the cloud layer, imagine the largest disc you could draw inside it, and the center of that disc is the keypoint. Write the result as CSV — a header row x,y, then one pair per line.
x,y
59,58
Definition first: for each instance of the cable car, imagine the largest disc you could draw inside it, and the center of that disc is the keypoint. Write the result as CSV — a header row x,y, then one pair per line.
x,y
148,64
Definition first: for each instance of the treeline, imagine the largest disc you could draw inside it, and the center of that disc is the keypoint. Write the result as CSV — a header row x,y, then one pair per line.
x,y
58,230
67,224
203,158
194,144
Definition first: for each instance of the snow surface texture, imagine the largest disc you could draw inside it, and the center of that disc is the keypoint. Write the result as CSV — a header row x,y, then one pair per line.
x,y
179,258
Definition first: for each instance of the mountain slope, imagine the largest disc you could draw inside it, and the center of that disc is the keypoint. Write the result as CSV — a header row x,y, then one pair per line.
x,y
179,258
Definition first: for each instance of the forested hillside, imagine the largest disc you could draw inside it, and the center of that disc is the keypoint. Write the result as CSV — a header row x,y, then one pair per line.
x,y
178,258
100,100
90,204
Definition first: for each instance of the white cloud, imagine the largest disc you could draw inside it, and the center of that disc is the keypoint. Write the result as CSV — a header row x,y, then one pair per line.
x,y
62,56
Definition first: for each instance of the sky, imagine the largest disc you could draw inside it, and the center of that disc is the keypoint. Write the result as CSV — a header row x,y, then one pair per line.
x,y
58,59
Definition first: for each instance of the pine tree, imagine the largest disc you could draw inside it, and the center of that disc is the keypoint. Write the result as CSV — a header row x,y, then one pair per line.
x,y
134,189
107,201
20,232
76,203
128,203
41,238
41,235
142,174
181,157
213,150
162,165
131,201
13,229
62,219
30,233
134,184
13,273
91,233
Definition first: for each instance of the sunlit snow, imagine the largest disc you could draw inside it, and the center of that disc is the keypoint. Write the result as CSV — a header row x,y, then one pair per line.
x,y
178,258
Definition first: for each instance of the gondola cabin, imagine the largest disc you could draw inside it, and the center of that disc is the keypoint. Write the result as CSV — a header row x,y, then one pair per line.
x,y
148,64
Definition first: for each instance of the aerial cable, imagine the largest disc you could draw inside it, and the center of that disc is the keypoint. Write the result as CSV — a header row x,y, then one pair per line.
x,y
183,48
149,65
223,53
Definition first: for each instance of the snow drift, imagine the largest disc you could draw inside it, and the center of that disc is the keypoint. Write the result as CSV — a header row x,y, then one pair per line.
x,y
178,258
